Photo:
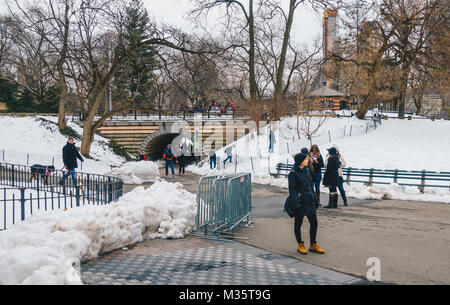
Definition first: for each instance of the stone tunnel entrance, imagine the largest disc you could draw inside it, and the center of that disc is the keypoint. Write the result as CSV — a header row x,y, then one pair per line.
x,y
155,149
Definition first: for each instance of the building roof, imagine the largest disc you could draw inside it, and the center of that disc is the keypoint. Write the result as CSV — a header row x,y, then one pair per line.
x,y
324,91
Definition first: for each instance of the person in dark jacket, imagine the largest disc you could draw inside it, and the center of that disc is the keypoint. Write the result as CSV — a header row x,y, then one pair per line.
x,y
331,177
70,156
301,189
169,158
181,161
318,164
212,159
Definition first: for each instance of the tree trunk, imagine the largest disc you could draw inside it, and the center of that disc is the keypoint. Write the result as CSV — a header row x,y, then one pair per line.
x,y
362,111
62,104
402,96
251,55
60,66
278,94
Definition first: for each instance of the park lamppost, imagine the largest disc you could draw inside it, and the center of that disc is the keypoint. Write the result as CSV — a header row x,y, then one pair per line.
x,y
381,108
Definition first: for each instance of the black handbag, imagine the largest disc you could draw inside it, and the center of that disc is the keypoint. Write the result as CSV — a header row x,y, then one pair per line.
x,y
291,206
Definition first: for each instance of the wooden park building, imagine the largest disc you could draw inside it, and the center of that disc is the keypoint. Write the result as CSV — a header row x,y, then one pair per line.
x,y
329,99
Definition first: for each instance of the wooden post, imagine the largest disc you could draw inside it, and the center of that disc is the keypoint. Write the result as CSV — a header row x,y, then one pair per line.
x,y
396,176
422,184
371,177
349,173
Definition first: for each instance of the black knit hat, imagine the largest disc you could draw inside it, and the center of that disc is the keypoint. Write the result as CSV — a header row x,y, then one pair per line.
x,y
299,158
304,150
332,151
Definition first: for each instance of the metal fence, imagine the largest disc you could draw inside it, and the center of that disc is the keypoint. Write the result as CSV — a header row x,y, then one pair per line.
x,y
421,179
168,114
223,203
22,193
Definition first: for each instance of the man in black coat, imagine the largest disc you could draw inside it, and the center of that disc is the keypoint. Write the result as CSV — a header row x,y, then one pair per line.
x,y
70,156
331,177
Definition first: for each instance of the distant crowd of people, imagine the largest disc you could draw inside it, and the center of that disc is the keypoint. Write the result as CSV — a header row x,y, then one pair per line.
x,y
214,107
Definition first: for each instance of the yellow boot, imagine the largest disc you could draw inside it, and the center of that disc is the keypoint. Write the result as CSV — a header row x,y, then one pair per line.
x,y
315,248
301,248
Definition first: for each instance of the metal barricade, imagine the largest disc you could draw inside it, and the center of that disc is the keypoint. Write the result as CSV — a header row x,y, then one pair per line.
x,y
223,203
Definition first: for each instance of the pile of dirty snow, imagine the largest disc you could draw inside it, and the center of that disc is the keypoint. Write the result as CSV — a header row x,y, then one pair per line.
x,y
42,249
136,172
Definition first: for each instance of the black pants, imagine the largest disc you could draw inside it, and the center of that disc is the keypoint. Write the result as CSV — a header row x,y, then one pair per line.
x,y
182,166
313,227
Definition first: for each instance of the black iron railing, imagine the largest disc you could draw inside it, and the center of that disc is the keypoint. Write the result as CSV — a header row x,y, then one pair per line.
x,y
24,189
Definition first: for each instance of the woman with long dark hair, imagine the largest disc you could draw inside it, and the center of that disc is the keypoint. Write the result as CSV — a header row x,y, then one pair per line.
x,y
317,161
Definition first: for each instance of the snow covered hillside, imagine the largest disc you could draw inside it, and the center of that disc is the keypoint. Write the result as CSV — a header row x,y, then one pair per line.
x,y
20,136
42,249
396,144
252,151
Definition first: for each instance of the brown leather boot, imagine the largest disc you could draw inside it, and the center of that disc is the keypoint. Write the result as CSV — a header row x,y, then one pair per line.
x,y
318,198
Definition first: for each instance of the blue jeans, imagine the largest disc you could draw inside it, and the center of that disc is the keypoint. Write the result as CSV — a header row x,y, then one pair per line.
x,y
211,161
169,162
228,158
317,180
70,172
341,189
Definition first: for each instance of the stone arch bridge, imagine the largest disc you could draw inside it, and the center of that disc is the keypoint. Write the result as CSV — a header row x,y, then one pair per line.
x,y
154,136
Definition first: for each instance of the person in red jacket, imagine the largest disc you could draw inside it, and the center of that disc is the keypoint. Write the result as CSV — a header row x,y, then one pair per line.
x,y
142,156
169,157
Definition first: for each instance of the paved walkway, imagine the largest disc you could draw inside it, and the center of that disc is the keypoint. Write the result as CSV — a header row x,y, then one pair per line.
x,y
195,261
411,239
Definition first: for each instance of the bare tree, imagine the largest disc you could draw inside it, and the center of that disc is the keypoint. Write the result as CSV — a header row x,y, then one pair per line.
x,y
51,21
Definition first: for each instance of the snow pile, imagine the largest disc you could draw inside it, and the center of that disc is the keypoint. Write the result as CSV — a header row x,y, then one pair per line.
x,y
136,172
43,248
397,192
40,142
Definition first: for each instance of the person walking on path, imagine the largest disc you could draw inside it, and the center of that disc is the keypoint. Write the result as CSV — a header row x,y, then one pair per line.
x,y
331,177
70,156
318,164
229,153
272,140
341,176
301,190
142,156
212,159
181,161
169,158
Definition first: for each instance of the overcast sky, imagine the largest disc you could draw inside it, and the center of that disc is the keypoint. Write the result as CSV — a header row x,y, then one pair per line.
x,y
306,27
307,23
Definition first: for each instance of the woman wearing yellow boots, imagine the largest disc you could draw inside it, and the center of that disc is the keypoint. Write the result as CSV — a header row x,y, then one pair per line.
x,y
301,189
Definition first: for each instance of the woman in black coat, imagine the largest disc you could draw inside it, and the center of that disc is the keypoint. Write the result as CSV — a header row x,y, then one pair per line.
x,y
331,177
302,191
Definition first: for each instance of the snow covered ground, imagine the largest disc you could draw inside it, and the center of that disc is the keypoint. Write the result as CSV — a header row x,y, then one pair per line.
x,y
23,136
44,248
397,144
